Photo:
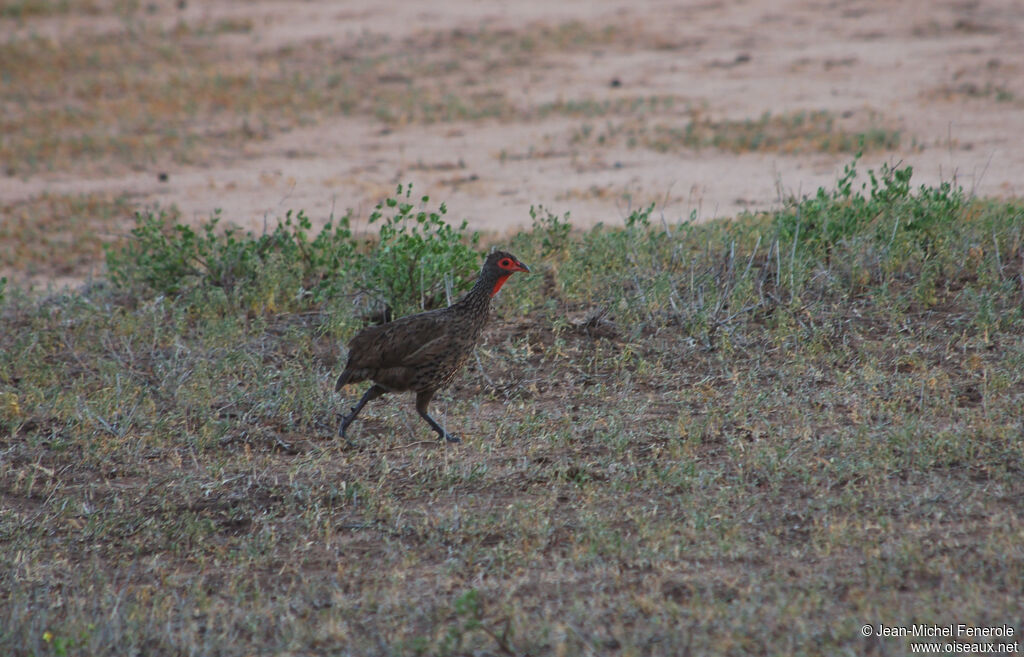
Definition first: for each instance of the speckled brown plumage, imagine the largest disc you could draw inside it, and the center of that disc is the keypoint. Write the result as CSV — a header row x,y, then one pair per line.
x,y
422,353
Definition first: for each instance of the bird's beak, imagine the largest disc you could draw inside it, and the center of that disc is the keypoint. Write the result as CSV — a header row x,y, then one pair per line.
x,y
522,267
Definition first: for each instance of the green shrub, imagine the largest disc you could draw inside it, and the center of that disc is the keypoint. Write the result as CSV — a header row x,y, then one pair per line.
x,y
415,262
175,259
551,230
882,212
420,261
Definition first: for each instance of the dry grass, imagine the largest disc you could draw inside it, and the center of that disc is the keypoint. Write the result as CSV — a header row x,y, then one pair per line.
x,y
794,132
55,236
145,98
21,10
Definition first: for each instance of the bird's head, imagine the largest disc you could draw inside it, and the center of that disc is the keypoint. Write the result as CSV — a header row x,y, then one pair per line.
x,y
501,265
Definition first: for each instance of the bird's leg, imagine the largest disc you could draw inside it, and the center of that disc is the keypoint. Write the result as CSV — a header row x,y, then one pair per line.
x,y
422,401
371,394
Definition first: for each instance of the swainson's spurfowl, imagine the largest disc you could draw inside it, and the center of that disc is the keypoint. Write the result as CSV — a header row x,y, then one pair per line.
x,y
422,353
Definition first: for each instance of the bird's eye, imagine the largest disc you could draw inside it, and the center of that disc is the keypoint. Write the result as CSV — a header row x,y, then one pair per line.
x,y
505,263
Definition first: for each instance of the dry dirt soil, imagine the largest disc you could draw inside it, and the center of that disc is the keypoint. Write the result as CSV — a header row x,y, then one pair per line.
x,y
707,108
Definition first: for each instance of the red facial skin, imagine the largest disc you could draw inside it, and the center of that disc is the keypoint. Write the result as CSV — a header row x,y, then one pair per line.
x,y
511,266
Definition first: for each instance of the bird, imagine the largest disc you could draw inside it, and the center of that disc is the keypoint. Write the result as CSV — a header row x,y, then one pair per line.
x,y
422,353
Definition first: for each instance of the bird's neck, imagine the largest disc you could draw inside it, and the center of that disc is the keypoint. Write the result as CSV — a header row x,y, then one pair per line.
x,y
486,286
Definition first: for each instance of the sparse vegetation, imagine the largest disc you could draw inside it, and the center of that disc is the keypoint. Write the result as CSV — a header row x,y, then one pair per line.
x,y
974,90
21,9
796,132
55,235
157,95
592,108
746,436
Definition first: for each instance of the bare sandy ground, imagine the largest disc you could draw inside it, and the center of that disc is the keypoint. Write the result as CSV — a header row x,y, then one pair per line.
x,y
948,74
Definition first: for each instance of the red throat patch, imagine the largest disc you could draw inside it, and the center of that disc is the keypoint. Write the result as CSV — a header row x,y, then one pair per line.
x,y
497,286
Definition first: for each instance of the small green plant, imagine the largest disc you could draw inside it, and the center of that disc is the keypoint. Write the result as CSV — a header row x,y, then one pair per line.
x,y
641,218
552,230
420,260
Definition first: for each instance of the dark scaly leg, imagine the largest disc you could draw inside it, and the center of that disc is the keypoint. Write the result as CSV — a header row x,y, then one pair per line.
x,y
422,401
371,394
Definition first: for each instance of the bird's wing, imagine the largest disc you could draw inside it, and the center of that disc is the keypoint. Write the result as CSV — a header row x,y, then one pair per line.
x,y
405,342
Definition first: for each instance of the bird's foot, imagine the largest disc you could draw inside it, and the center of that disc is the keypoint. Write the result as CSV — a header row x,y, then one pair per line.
x,y
450,438
343,428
